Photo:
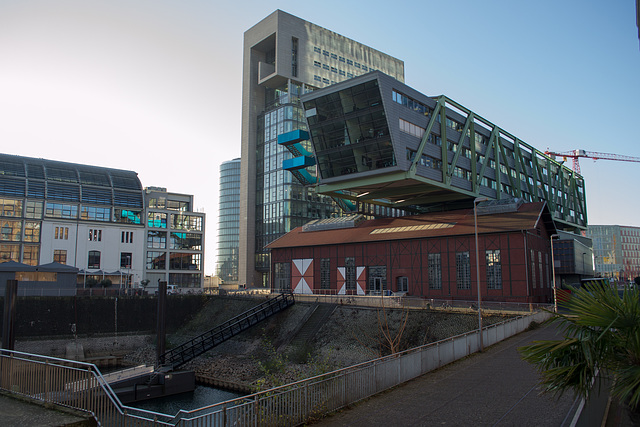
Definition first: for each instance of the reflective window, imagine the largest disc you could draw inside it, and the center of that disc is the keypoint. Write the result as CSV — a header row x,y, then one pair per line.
x,y
157,219
31,231
494,269
11,230
190,241
10,253
186,222
156,260
128,216
11,207
33,209
60,256
61,210
125,259
350,132
435,271
181,261
30,255
93,213
157,239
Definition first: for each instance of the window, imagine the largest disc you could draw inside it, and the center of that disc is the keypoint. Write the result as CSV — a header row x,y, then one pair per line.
x,y
31,231
157,220
317,63
316,49
350,273
157,239
11,230
282,276
126,237
435,272
30,255
326,67
60,210
94,259
334,56
93,213
9,253
10,207
61,233
494,269
60,256
95,235
325,273
403,284
540,269
156,260
349,62
463,270
125,259
533,268
180,261
33,209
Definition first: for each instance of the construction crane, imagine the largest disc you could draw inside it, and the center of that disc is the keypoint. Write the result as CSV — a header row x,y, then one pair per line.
x,y
576,154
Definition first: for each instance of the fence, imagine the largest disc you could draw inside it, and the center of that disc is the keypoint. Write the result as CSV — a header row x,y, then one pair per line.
x,y
64,382
419,303
54,380
305,400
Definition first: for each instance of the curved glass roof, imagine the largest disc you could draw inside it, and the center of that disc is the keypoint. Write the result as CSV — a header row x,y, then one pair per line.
x,y
49,179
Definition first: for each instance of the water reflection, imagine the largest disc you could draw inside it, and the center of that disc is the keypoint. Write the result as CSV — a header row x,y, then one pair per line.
x,y
200,397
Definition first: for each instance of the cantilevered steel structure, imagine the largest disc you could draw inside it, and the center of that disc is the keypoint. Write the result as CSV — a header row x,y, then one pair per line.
x,y
379,141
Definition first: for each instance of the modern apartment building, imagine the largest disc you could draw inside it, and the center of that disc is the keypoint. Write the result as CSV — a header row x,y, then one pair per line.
x,y
99,220
175,240
616,250
285,57
228,222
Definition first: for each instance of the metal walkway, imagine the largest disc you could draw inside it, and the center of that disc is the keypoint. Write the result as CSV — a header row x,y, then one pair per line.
x,y
193,348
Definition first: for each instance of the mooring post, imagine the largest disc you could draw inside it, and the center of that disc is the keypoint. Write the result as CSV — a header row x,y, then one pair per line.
x,y
9,318
161,322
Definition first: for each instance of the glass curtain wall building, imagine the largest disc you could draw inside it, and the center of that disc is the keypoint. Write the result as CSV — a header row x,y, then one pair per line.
x,y
228,222
284,58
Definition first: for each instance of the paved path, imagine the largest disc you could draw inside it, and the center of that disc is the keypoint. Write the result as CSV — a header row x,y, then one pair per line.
x,y
16,412
494,388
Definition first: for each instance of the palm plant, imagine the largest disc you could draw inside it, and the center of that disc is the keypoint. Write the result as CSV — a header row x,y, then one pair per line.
x,y
601,334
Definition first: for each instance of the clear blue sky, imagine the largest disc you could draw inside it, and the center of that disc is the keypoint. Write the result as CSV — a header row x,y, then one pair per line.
x,y
155,86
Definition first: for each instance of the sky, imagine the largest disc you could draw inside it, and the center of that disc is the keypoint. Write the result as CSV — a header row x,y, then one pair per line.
x,y
155,86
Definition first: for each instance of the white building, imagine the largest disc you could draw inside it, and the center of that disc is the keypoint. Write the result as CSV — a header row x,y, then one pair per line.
x,y
99,220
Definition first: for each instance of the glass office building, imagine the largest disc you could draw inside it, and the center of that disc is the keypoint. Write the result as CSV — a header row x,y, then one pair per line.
x,y
284,58
228,222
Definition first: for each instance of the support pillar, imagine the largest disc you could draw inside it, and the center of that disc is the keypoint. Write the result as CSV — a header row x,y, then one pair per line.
x,y
9,317
161,322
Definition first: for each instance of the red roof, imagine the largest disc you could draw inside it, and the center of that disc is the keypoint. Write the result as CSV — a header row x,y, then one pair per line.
x,y
452,223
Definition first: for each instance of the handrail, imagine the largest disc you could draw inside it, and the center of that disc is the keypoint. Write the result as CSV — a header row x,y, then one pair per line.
x,y
204,342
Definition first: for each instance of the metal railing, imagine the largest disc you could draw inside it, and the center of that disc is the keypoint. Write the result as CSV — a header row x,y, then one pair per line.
x,y
55,381
299,402
64,382
191,349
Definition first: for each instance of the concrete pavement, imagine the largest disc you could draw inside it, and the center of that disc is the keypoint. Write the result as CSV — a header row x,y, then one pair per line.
x,y
493,388
17,412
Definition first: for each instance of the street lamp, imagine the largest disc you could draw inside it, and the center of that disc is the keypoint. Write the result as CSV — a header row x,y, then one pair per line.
x,y
475,226
553,272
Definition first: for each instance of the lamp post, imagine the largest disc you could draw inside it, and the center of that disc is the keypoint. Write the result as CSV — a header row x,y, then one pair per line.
x,y
475,226
553,273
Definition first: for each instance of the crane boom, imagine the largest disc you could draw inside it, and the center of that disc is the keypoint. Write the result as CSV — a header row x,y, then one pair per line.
x,y
576,154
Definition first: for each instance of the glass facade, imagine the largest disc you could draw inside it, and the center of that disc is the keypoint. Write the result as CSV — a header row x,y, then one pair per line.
x,y
350,131
282,203
228,222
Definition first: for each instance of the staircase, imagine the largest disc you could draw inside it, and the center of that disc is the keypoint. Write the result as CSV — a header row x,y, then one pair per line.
x,y
193,348
321,313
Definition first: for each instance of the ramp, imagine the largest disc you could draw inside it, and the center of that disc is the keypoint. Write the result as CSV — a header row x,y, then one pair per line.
x,y
193,348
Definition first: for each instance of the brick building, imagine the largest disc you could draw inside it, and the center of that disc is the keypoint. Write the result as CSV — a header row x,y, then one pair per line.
x,y
431,255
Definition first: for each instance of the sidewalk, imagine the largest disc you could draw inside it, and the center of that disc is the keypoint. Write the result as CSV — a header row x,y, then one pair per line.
x,y
19,412
493,388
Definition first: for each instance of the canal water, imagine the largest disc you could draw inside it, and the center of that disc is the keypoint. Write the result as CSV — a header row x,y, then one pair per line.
x,y
200,397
